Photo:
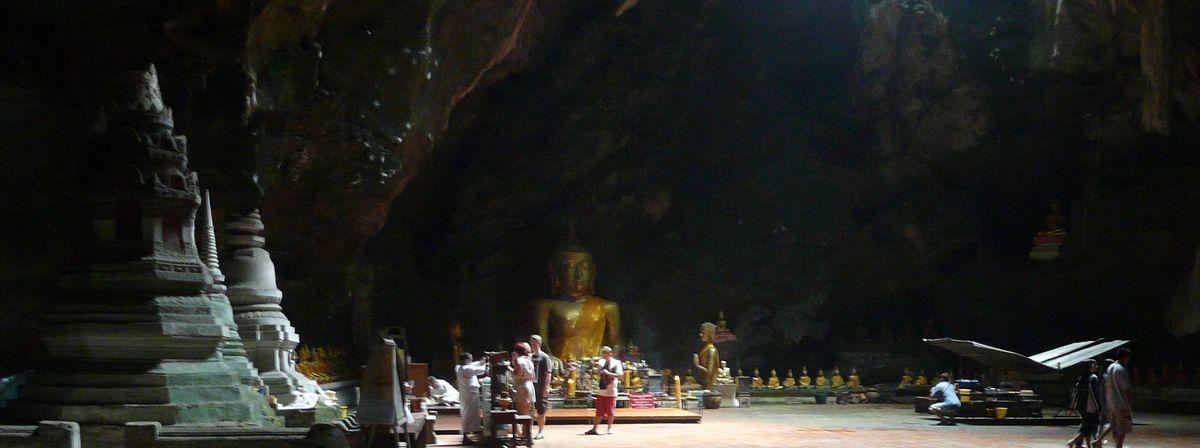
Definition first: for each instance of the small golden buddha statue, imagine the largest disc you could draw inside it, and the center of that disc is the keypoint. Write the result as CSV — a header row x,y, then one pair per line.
x,y
836,379
773,382
635,382
708,361
821,380
756,382
906,380
853,380
577,323
571,382
790,381
805,380
721,324
921,380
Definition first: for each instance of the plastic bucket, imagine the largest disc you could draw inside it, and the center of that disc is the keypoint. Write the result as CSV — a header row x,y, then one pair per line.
x,y
1001,413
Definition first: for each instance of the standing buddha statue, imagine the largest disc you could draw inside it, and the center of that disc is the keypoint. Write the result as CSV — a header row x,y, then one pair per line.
x,y
708,362
577,322
805,381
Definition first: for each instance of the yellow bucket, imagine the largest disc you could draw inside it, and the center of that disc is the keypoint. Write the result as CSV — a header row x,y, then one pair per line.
x,y
1001,413
964,396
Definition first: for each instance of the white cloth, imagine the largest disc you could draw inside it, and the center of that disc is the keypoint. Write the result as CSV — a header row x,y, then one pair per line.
x,y
613,366
1117,387
468,386
442,392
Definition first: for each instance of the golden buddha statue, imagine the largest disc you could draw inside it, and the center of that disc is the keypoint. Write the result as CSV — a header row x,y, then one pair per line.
x,y
790,381
906,380
708,362
756,382
577,322
721,324
774,381
921,381
571,383
805,381
821,380
853,380
836,379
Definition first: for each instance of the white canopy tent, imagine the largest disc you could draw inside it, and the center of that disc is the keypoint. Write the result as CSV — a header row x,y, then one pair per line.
x,y
1053,360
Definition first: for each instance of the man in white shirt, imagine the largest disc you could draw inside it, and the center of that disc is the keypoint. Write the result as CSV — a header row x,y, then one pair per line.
x,y
467,374
1118,400
442,392
610,372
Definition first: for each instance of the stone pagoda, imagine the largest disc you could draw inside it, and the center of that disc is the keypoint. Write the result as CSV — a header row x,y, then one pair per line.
x,y
136,335
266,332
233,352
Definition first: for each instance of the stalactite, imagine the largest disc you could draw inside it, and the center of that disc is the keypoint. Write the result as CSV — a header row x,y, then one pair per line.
x,y
1156,100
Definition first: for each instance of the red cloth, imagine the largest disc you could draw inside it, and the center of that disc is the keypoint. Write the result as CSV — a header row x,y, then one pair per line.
x,y
606,406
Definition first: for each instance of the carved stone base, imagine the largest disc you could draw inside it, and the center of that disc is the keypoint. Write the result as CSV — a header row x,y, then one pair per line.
x,y
173,392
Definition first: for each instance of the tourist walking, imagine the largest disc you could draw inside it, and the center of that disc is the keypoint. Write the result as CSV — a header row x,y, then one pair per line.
x,y
1085,402
523,376
541,382
610,372
1118,404
948,404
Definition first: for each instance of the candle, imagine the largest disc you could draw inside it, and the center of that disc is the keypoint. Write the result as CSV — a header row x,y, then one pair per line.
x,y
678,393
571,384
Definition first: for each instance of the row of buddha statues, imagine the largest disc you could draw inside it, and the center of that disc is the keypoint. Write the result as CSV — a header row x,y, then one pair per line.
x,y
584,376
834,380
323,363
1163,376
1166,376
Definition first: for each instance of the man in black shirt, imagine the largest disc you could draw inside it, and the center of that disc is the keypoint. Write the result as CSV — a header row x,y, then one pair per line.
x,y
541,383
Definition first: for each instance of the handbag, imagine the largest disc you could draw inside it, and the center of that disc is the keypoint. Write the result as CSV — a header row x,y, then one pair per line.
x,y
604,380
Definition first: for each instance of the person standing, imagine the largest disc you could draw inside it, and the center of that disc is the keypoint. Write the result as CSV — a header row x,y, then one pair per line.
x,y
1086,403
541,382
1118,403
467,374
610,372
949,403
523,376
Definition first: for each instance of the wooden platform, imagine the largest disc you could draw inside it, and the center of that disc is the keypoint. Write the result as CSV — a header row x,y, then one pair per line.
x,y
624,416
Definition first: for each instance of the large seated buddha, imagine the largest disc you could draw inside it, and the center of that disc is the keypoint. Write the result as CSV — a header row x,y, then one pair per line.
x,y
577,323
